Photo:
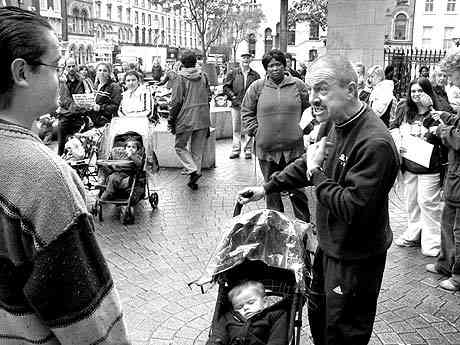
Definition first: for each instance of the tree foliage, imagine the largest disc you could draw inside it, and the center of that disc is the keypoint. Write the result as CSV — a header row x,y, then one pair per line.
x,y
240,23
313,10
207,17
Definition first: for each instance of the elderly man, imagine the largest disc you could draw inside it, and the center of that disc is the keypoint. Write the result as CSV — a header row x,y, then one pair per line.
x,y
70,116
236,83
353,170
55,286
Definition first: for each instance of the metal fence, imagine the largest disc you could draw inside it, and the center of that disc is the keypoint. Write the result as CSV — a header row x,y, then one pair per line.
x,y
407,62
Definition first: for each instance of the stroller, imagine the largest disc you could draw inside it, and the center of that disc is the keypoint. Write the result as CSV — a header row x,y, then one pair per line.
x,y
264,246
81,154
115,135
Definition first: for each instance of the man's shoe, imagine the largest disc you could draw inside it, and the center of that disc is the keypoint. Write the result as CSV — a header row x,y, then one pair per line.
x,y
450,284
192,186
248,155
401,242
234,155
194,177
432,268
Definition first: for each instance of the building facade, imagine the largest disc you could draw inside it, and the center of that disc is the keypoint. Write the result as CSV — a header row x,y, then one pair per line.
x,y
399,23
436,24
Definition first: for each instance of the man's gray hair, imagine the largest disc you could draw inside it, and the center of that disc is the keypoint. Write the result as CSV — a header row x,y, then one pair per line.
x,y
342,69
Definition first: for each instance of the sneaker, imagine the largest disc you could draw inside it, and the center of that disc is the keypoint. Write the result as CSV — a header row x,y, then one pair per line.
x,y
432,268
247,155
192,186
401,242
450,284
234,155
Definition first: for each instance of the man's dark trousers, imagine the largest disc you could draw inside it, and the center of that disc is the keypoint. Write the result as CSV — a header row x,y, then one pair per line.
x,y
298,198
68,125
342,307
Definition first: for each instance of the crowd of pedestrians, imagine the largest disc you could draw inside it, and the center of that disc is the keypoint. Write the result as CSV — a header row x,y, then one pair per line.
x,y
55,284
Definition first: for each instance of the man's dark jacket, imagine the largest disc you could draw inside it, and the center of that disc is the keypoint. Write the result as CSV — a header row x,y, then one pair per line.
x,y
352,190
234,86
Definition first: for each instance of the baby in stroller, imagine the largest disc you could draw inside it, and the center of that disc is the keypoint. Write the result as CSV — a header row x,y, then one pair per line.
x,y
251,322
118,182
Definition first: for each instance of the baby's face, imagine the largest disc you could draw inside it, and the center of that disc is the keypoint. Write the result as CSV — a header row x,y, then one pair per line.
x,y
248,302
131,148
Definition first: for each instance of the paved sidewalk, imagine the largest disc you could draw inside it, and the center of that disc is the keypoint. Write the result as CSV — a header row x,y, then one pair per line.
x,y
153,260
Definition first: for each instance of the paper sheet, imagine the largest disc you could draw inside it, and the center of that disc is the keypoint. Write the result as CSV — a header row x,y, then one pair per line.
x,y
84,99
417,150
306,118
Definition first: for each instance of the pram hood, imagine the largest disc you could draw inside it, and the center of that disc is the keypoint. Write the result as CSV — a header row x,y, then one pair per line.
x,y
123,125
265,235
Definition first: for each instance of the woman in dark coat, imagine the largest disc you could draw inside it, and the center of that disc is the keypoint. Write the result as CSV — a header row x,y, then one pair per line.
x,y
108,96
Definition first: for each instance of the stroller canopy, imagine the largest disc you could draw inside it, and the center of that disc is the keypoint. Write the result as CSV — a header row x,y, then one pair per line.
x,y
265,235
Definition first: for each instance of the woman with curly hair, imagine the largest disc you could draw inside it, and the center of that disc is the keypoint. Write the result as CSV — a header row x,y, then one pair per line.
x,y
422,184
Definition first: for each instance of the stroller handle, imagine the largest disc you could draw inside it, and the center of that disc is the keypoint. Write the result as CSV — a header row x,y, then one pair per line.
x,y
239,206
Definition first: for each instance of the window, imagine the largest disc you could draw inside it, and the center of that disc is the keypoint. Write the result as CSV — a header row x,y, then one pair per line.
x,y
451,5
136,17
402,2
428,5
448,34
400,27
143,3
109,12
98,10
149,19
312,54
426,37
50,4
128,15
143,18
314,31
136,3
162,23
120,13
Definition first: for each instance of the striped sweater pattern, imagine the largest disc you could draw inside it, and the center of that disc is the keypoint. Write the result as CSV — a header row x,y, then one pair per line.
x,y
55,286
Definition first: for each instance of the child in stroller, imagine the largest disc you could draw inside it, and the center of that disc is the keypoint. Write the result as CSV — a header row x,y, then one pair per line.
x,y
118,181
267,249
251,321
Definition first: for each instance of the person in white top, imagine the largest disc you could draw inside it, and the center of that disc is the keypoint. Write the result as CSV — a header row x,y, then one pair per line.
x,y
136,100
382,93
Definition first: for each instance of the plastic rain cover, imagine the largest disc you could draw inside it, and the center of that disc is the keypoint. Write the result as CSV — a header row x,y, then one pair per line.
x,y
264,235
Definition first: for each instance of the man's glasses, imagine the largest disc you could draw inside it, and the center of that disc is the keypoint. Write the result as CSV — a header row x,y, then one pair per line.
x,y
39,63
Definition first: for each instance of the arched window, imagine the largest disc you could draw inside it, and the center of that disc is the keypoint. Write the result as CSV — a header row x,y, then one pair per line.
x,y
143,35
75,18
136,35
400,27
84,19
150,36
314,31
268,40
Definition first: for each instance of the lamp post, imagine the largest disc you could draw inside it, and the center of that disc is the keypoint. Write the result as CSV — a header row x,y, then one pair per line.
x,y
283,25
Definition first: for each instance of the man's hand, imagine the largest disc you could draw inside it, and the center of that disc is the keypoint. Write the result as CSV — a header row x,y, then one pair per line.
x,y
249,194
316,153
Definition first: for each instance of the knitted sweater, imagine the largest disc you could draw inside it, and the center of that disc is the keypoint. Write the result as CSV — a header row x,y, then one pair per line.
x,y
273,111
55,286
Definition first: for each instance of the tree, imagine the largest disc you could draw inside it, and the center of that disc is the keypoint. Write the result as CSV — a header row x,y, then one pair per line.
x,y
208,18
313,10
241,22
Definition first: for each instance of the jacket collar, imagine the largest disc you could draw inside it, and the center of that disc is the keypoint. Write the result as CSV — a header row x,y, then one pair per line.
x,y
353,120
288,80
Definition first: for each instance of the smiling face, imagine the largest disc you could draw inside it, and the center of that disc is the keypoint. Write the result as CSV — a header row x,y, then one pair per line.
x,y
245,60
248,302
416,92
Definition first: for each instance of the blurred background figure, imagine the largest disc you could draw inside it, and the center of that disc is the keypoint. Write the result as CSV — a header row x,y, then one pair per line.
x,y
381,97
289,68
439,82
136,100
157,71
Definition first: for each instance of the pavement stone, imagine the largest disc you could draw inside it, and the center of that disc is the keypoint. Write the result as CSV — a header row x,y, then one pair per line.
x,y
153,261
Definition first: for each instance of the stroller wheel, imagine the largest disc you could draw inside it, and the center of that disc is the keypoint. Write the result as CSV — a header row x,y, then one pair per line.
x,y
127,215
153,199
99,212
